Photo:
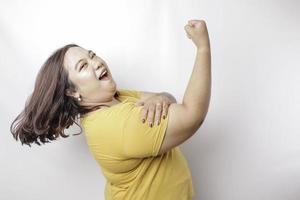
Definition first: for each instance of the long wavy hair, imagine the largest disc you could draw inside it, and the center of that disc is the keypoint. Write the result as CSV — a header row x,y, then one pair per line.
x,y
48,110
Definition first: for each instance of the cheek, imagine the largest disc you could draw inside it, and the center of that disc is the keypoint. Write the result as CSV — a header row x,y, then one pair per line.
x,y
85,81
87,87
86,77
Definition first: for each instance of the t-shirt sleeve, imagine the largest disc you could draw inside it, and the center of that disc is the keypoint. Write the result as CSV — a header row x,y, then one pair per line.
x,y
139,140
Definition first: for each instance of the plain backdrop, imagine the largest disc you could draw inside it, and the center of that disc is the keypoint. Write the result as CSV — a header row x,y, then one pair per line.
x,y
249,145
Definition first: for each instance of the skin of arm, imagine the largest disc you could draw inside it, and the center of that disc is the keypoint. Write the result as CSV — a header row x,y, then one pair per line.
x,y
197,95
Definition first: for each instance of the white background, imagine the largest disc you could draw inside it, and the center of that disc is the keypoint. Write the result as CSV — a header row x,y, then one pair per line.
x,y
249,145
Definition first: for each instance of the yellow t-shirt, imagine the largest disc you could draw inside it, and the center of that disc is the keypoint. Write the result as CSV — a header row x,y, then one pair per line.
x,y
126,150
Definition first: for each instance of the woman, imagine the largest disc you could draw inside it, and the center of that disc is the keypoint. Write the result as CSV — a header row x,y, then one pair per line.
x,y
139,161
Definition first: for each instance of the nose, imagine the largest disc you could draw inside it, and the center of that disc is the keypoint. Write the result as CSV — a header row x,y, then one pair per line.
x,y
96,65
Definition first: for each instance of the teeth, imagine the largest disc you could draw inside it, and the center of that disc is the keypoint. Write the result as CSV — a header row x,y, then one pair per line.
x,y
103,73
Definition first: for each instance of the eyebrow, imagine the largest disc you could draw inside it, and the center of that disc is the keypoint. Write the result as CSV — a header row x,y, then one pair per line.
x,y
89,52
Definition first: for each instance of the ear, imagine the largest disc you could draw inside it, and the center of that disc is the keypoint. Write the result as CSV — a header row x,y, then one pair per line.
x,y
72,94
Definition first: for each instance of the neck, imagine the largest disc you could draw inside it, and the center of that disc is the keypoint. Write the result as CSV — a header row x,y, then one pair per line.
x,y
106,104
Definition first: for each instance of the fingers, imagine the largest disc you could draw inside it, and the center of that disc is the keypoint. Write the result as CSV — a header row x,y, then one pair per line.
x,y
144,113
190,23
153,113
158,111
150,116
193,22
165,110
188,30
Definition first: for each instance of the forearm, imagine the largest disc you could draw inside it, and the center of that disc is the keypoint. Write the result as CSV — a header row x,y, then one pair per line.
x,y
197,95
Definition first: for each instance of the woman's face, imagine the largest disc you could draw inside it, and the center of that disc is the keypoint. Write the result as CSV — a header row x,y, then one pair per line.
x,y
84,69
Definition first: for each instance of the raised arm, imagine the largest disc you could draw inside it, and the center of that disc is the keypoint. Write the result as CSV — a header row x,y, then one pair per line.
x,y
185,118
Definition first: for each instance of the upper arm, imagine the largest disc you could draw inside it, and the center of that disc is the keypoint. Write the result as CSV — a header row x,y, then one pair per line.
x,y
140,140
182,124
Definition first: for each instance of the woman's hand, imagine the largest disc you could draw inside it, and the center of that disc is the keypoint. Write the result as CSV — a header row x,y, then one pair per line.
x,y
156,105
196,30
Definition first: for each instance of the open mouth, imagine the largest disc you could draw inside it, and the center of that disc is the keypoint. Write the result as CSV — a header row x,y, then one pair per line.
x,y
104,76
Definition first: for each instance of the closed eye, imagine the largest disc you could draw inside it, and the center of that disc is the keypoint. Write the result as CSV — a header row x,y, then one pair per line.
x,y
83,65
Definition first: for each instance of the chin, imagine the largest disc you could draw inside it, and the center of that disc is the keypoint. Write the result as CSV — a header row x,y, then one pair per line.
x,y
113,86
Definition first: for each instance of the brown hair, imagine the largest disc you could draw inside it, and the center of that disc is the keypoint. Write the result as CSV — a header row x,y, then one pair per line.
x,y
49,111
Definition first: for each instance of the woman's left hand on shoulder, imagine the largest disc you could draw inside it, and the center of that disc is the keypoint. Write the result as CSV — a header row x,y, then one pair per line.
x,y
155,108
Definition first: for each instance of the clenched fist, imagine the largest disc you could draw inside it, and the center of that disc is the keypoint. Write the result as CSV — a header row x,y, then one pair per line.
x,y
196,30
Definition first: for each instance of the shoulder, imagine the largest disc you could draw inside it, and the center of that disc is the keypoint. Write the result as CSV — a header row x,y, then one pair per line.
x,y
129,92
